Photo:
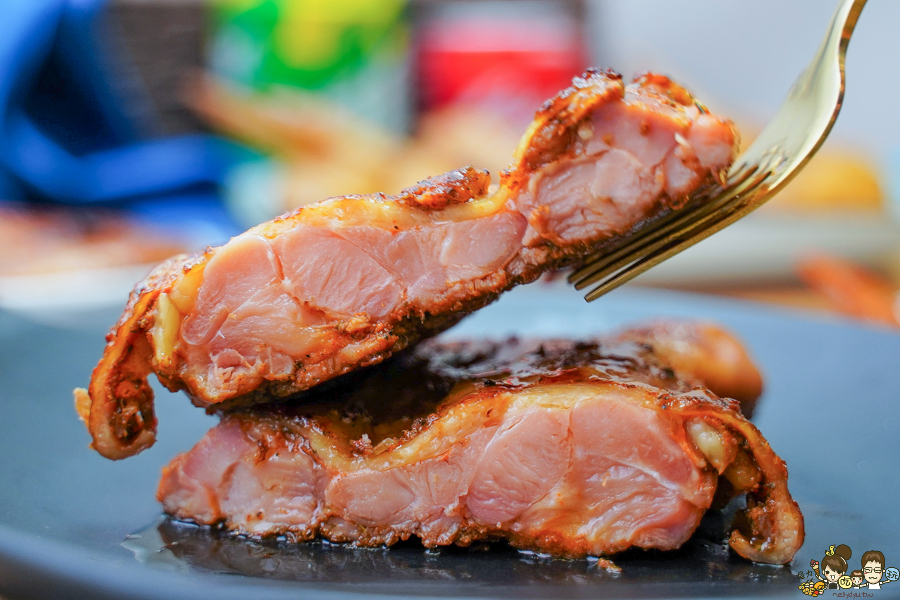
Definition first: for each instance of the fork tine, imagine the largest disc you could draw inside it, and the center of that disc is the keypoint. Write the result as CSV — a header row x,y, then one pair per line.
x,y
642,264
701,204
649,241
593,262
728,212
605,257
795,133
624,277
649,248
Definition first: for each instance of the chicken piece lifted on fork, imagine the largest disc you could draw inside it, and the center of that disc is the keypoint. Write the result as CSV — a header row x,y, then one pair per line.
x,y
348,281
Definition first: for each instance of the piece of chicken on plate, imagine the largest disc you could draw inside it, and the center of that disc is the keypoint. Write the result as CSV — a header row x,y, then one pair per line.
x,y
565,448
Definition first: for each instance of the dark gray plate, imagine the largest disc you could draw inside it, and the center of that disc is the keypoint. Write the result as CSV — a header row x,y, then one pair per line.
x,y
831,410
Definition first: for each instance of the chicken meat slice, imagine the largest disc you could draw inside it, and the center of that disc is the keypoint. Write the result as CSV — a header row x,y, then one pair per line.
x,y
348,281
565,448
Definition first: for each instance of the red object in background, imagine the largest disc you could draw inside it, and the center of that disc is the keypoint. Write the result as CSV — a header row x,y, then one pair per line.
x,y
851,289
498,56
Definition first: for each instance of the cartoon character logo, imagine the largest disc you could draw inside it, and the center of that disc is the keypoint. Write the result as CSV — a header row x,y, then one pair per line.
x,y
874,572
834,565
813,588
831,572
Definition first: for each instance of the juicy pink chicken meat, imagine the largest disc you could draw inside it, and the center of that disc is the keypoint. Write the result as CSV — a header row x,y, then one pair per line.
x,y
561,447
348,281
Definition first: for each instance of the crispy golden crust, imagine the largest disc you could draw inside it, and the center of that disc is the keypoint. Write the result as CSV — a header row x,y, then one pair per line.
x,y
771,529
121,418
455,187
553,133
120,413
706,353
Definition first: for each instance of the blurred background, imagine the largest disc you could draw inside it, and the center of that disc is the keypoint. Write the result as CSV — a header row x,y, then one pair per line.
x,y
136,129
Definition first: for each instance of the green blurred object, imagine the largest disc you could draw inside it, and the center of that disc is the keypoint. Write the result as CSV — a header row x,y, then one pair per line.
x,y
351,51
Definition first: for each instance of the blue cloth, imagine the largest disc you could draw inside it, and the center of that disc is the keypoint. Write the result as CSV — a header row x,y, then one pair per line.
x,y
65,135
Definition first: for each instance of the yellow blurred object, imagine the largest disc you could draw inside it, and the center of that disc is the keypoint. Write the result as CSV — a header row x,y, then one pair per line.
x,y
833,181
312,34
329,152
465,135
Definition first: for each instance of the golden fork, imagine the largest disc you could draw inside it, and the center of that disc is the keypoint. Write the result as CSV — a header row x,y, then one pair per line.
x,y
783,148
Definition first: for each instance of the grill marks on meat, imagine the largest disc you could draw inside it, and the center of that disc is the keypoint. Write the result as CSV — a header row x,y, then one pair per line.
x,y
565,448
348,281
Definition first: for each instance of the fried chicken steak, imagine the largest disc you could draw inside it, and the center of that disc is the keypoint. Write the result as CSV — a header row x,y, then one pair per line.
x,y
560,447
348,281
